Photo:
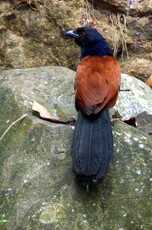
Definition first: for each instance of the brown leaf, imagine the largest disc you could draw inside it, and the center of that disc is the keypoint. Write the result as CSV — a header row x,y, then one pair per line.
x,y
116,115
149,81
44,113
131,121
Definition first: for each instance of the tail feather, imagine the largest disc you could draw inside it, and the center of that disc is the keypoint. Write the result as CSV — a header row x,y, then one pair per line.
x,y
92,145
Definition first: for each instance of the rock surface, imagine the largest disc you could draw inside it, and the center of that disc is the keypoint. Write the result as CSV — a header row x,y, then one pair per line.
x,y
135,97
32,32
38,187
135,101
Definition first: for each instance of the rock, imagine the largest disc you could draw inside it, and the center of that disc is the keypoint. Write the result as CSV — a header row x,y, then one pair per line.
x,y
32,32
37,29
49,85
38,187
131,7
139,67
113,5
143,7
135,97
135,103
144,122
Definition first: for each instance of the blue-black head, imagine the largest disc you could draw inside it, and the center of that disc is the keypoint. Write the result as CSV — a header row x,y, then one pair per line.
x,y
91,41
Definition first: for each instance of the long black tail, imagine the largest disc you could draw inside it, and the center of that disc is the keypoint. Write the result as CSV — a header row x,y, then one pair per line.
x,y
92,145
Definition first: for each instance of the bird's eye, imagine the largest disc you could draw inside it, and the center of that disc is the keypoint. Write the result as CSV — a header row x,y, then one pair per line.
x,y
83,34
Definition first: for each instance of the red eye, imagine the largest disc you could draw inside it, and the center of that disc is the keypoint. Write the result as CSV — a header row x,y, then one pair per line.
x,y
83,34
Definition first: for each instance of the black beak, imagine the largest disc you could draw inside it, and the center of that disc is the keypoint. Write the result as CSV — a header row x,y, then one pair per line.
x,y
71,33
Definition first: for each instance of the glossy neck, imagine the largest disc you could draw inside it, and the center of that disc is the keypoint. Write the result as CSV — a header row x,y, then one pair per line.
x,y
100,48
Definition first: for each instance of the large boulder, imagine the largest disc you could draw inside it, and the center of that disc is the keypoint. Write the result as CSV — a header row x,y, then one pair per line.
x,y
38,188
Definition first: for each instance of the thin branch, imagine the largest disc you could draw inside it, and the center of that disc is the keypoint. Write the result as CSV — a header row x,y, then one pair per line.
x,y
125,90
13,123
118,22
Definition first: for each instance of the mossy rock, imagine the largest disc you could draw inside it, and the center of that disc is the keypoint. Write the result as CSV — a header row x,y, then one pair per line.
x,y
38,187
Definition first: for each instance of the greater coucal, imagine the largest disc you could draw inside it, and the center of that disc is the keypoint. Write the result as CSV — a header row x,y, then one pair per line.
x,y
96,89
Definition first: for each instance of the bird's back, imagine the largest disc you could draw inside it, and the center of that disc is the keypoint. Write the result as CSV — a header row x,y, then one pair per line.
x,y
97,83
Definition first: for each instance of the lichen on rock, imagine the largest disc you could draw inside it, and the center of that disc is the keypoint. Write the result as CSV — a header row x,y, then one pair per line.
x,y
38,187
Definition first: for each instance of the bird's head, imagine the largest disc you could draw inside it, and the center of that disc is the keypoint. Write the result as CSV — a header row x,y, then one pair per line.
x,y
90,41
84,35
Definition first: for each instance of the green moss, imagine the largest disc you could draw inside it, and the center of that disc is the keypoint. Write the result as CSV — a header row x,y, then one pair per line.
x,y
7,107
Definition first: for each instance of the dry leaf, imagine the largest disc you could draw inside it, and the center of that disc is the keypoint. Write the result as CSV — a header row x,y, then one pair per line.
x,y
131,121
149,81
44,113
116,115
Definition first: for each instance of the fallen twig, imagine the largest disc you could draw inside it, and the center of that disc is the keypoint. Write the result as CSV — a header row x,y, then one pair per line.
x,y
124,90
13,123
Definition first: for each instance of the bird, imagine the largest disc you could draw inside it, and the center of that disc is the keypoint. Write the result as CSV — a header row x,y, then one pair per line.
x,y
96,86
